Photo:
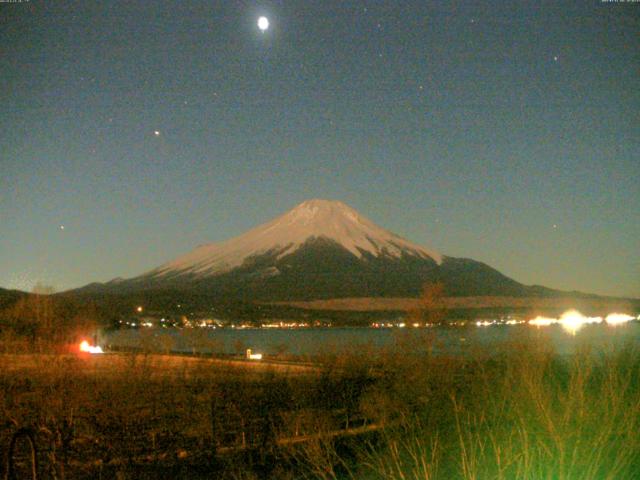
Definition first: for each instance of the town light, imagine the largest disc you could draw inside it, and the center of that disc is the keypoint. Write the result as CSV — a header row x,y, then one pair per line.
x,y
618,318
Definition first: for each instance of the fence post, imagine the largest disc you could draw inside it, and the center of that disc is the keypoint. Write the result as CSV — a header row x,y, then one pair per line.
x,y
215,426
28,434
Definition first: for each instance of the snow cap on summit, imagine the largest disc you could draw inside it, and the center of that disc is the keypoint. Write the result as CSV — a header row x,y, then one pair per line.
x,y
317,208
314,218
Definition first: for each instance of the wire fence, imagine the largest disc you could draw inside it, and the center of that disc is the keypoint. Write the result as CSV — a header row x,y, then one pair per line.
x,y
83,446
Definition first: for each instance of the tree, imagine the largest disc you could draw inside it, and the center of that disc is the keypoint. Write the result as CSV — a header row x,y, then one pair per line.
x,y
430,307
43,318
34,315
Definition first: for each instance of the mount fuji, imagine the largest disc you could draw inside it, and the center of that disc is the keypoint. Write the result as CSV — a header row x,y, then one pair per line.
x,y
320,249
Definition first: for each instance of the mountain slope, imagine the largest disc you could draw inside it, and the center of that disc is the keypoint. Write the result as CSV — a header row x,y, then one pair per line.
x,y
9,297
287,233
320,249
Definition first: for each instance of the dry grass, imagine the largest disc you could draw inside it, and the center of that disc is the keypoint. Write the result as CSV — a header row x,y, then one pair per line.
x,y
408,304
523,414
520,412
124,414
154,365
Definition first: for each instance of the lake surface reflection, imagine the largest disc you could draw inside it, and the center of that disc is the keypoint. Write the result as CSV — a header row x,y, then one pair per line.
x,y
314,341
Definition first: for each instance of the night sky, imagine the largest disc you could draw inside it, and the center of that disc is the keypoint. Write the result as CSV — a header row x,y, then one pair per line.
x,y
507,132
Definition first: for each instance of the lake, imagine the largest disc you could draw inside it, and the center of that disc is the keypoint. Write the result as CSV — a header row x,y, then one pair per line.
x,y
313,341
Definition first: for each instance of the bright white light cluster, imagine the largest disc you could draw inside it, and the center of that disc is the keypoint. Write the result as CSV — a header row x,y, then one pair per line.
x,y
502,321
573,320
86,347
618,318
543,321
486,323
253,356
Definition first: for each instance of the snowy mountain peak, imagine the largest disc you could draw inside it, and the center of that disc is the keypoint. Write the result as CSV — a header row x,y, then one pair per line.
x,y
322,213
311,219
318,207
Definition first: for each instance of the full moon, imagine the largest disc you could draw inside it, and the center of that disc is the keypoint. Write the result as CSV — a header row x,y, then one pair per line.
x,y
263,23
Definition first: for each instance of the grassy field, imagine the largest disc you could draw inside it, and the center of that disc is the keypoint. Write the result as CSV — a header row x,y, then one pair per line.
x,y
154,366
521,412
534,304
